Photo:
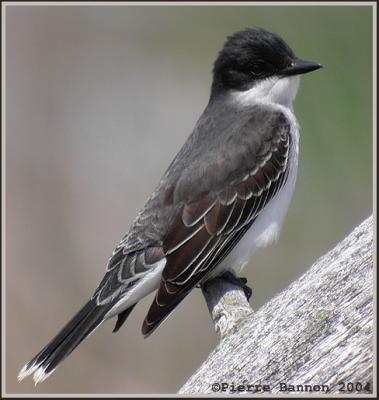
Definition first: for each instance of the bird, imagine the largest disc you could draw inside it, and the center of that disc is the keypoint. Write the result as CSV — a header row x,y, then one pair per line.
x,y
224,195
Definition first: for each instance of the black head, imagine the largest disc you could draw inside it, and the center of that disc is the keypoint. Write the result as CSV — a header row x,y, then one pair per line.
x,y
251,55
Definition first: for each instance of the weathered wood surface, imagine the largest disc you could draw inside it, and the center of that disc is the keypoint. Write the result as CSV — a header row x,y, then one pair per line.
x,y
317,332
227,305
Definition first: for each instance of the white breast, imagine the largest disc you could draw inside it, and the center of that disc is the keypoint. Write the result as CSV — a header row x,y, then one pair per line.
x,y
279,93
267,226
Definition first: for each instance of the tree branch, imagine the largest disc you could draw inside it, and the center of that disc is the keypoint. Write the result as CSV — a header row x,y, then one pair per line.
x,y
227,305
317,335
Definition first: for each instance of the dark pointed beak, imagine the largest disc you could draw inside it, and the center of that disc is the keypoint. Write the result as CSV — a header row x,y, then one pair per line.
x,y
299,66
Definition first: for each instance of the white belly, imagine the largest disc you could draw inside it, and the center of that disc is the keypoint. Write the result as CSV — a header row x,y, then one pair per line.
x,y
267,226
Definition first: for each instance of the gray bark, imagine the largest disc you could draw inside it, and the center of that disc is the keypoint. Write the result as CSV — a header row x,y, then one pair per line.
x,y
314,336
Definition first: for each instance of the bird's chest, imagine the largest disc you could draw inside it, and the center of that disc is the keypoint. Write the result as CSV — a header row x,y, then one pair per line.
x,y
266,227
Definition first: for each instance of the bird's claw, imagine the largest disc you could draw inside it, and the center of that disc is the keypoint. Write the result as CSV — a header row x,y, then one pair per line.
x,y
241,282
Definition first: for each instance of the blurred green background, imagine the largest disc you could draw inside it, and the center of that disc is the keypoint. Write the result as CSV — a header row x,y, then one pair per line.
x,y
99,100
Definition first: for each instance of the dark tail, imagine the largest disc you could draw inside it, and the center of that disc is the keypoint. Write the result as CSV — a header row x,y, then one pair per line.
x,y
82,325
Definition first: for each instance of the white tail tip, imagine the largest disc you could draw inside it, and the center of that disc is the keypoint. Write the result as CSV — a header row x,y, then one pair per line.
x,y
26,371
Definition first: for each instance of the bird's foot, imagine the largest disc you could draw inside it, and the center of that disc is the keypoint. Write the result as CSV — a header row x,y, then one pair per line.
x,y
241,282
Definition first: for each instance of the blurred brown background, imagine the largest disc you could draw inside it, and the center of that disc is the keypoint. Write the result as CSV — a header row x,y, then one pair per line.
x,y
99,100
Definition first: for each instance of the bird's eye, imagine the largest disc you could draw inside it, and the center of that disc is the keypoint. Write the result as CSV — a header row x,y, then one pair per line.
x,y
257,69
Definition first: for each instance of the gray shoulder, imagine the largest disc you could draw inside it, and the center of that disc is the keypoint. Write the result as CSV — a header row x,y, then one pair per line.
x,y
223,147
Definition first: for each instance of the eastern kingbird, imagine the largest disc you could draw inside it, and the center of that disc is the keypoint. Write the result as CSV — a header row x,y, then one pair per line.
x,y
224,195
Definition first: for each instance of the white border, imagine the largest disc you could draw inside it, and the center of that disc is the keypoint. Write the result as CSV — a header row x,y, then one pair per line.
x,y
3,172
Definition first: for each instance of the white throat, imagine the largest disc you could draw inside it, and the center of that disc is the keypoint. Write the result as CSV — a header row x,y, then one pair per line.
x,y
277,90
281,93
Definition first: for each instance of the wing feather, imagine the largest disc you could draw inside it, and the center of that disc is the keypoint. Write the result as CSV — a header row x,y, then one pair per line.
x,y
217,218
195,216
206,230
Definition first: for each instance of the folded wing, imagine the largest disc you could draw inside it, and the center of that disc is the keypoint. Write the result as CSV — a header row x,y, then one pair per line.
x,y
209,224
